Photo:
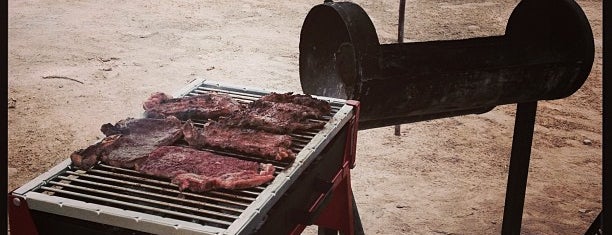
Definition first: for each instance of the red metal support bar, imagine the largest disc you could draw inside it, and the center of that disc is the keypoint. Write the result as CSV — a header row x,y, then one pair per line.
x,y
338,215
351,141
20,220
338,212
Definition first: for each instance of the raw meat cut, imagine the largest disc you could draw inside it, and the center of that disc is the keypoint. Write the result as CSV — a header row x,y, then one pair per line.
x,y
241,140
201,171
198,107
129,141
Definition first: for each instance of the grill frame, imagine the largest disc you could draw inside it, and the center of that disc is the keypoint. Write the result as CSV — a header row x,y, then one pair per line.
x,y
250,218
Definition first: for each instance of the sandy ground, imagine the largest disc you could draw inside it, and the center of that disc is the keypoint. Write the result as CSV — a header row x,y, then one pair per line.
x,y
444,176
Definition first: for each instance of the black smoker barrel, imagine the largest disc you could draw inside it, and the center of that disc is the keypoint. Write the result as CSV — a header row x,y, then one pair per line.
x,y
546,53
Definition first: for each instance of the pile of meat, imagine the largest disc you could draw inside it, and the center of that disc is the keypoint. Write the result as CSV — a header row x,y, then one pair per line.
x,y
258,129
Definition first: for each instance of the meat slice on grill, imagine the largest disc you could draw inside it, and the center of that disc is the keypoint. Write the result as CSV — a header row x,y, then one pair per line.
x,y
239,140
198,107
128,142
86,158
322,107
282,118
282,113
201,171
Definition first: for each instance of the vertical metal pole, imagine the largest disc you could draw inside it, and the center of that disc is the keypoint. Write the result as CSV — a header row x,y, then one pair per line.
x,y
519,167
606,202
357,220
400,39
400,21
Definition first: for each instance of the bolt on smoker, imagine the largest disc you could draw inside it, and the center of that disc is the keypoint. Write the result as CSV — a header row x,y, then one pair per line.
x,y
546,53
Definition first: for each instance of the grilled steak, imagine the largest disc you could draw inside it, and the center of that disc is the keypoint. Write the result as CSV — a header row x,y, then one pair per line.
x,y
237,139
281,118
321,106
129,141
86,158
201,171
199,107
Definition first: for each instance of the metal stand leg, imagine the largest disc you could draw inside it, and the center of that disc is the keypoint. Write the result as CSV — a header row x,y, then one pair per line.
x,y
519,167
595,228
400,39
337,216
356,223
356,219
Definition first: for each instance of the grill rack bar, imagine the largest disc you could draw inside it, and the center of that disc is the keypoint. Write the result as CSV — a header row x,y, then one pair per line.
x,y
259,188
138,200
167,183
184,215
165,190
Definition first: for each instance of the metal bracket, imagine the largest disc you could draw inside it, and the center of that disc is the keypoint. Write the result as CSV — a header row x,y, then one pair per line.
x,y
351,140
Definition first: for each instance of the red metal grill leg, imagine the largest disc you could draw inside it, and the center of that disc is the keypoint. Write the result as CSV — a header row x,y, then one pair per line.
x,y
338,215
20,219
336,204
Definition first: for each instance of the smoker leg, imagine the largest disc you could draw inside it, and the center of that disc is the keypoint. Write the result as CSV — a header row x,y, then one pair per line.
x,y
595,228
519,166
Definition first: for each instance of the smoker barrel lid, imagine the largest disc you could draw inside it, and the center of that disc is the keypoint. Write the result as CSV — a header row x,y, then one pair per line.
x,y
338,43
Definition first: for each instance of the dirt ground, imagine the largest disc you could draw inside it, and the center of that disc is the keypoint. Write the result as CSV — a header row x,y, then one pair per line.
x,y
445,176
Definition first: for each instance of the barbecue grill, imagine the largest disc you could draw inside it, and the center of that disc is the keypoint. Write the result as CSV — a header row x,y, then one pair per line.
x,y
546,53
111,200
